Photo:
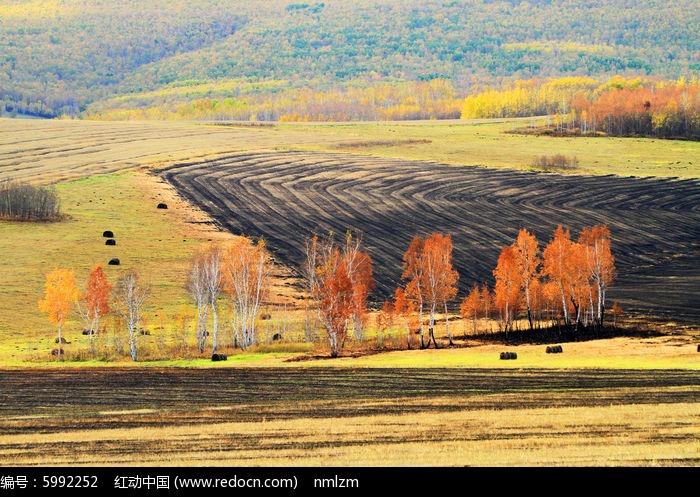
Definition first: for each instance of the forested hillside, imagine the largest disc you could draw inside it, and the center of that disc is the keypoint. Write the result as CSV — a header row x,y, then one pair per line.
x,y
257,58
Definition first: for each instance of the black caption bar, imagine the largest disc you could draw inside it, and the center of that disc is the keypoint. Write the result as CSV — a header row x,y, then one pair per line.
x,y
303,481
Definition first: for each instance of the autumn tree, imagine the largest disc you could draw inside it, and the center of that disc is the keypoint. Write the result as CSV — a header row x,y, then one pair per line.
x,y
197,288
330,272
600,263
385,318
212,272
246,267
204,284
579,283
507,289
527,259
440,278
405,309
431,278
360,271
131,297
96,300
60,295
556,261
413,269
486,301
471,306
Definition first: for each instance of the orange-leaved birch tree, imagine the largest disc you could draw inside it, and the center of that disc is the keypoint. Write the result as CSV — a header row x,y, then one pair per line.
x,y
413,274
579,283
507,288
527,257
405,308
246,269
440,278
556,266
96,301
600,263
360,271
339,279
331,289
59,297
471,306
431,279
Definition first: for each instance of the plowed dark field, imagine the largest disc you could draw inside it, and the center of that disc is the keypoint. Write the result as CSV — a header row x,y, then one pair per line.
x,y
287,196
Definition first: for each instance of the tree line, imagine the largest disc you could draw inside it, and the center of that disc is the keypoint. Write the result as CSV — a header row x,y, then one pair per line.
x,y
584,106
564,285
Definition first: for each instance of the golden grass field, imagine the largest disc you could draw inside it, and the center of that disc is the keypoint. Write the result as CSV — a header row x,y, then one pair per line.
x,y
102,172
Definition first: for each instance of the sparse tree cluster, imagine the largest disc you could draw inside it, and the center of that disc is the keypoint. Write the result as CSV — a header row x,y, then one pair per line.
x,y
25,202
565,282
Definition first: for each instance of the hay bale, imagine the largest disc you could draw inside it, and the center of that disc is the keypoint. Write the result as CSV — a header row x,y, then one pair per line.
x,y
554,349
699,347
218,357
111,241
113,262
57,352
108,234
508,356
162,205
88,332
276,337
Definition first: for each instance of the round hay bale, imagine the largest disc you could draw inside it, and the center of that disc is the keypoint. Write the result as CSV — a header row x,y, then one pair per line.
x,y
550,349
111,241
699,347
113,262
218,357
108,234
162,205
559,349
88,332
276,337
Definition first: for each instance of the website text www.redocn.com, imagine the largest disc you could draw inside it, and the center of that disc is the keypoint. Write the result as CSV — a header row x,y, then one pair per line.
x,y
235,482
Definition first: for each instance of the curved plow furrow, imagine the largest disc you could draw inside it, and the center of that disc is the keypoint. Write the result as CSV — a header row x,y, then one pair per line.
x,y
287,196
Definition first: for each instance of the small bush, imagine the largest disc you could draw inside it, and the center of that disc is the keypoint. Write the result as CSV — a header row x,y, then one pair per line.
x,y
24,202
555,163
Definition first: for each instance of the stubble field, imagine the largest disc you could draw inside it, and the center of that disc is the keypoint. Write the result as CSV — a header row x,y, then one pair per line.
x,y
349,417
